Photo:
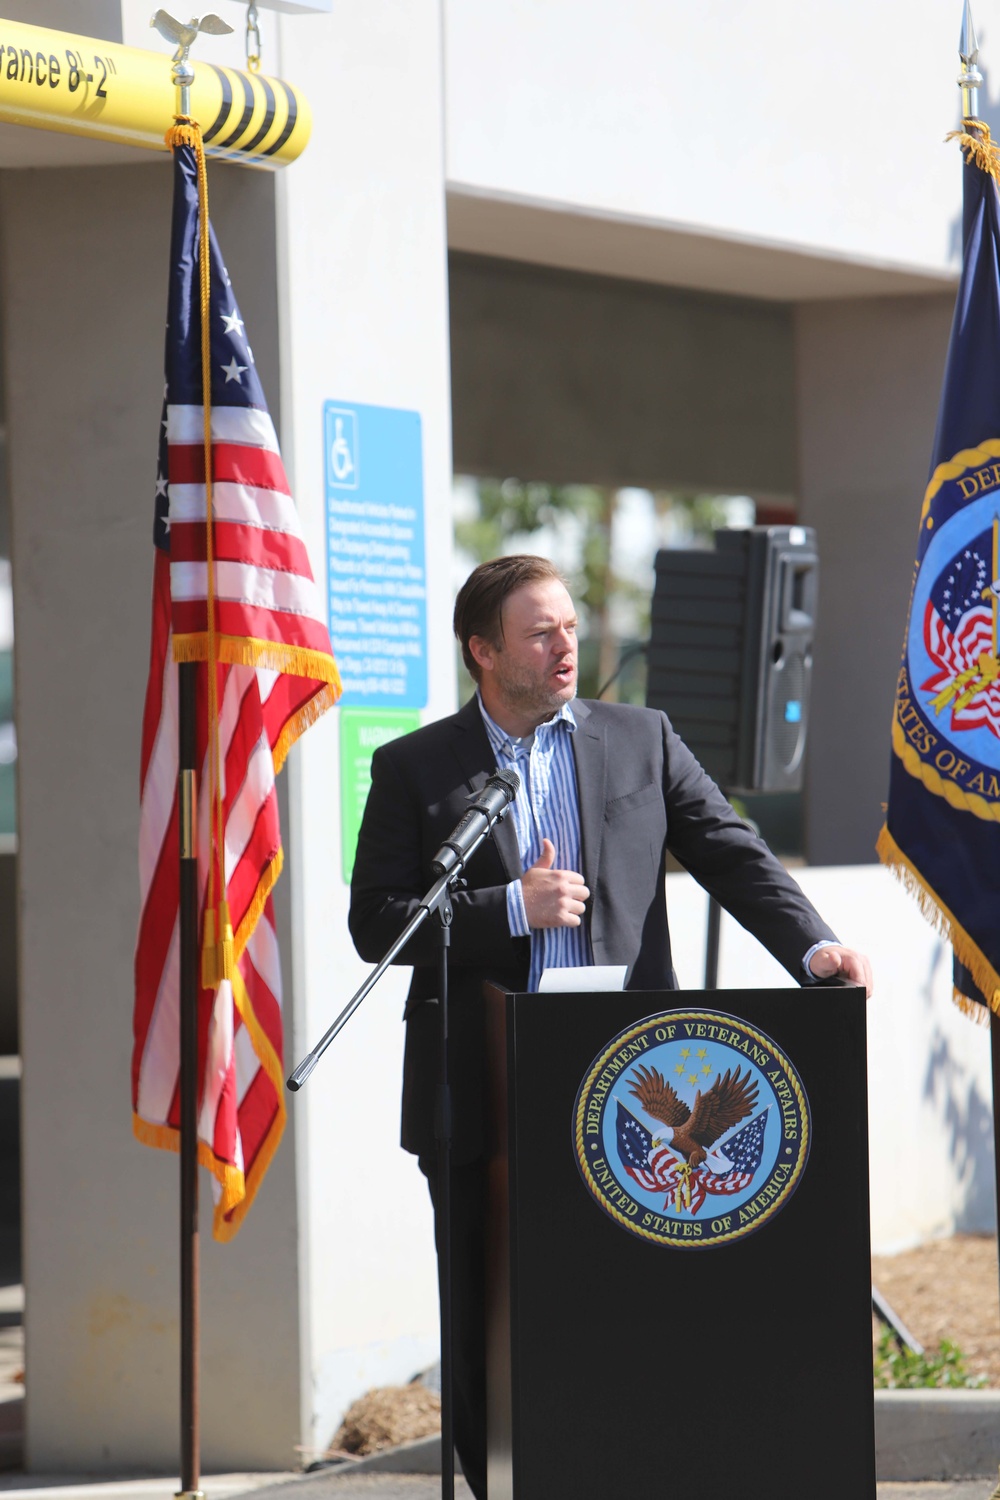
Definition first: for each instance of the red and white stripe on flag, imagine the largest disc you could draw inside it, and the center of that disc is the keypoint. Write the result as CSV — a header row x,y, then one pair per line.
x,y
276,675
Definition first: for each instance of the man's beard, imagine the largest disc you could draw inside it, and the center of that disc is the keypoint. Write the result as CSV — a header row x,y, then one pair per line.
x,y
525,694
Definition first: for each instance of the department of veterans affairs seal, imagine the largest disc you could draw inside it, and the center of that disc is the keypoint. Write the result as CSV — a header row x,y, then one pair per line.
x,y
691,1129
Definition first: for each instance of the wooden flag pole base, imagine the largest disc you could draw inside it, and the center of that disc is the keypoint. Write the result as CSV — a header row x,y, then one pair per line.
x,y
995,1062
189,982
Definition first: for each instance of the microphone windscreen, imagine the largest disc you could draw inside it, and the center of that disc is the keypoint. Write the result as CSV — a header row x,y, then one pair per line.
x,y
509,781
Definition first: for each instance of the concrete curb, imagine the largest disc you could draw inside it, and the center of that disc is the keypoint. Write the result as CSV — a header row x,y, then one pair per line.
x,y
937,1434
919,1435
421,1457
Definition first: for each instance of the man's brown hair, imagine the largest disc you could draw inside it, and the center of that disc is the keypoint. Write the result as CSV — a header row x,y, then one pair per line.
x,y
480,601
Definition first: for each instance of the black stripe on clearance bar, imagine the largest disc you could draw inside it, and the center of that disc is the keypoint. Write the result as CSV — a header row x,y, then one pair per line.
x,y
289,125
249,103
227,100
290,122
269,108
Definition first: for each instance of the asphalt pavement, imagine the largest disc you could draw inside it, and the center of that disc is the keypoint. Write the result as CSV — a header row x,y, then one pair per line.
x,y
347,1484
341,1484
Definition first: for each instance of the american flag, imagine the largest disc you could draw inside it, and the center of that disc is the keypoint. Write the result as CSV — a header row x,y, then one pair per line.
x,y
276,675
958,629
658,1169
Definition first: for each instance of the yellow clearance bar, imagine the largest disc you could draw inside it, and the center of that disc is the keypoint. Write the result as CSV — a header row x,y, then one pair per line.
x,y
82,86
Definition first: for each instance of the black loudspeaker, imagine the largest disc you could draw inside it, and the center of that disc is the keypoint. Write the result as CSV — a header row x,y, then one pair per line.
x,y
730,653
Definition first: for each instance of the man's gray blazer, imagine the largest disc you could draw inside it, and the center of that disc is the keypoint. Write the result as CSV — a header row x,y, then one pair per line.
x,y
641,793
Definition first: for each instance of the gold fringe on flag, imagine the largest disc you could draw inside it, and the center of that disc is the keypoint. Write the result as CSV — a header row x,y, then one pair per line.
x,y
980,149
234,1187
300,722
237,1190
224,1229
255,910
274,656
943,921
250,651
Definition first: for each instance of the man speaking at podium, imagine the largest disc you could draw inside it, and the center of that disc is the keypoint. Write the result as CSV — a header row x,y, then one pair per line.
x,y
573,876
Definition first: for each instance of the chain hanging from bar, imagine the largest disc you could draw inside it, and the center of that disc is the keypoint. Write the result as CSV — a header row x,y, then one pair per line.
x,y
253,38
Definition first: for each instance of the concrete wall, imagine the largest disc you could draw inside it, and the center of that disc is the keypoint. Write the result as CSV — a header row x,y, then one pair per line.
x,y
756,124
101,18
84,286
929,1086
869,376
8,948
364,319
566,377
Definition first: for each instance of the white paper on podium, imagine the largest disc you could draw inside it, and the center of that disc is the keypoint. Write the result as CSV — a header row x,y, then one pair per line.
x,y
591,977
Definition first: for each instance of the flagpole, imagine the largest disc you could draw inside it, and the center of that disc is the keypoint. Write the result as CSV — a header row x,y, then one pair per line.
x,y
969,81
187,804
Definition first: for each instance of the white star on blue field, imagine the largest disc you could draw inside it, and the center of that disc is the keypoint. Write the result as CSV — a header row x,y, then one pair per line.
x,y
960,587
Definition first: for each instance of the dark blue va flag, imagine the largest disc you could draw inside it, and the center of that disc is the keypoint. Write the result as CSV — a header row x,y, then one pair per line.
x,y
942,829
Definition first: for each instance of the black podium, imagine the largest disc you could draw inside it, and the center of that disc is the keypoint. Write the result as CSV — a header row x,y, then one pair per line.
x,y
659,1323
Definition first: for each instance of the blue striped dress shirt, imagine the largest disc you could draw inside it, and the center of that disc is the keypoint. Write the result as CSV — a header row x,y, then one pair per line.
x,y
546,807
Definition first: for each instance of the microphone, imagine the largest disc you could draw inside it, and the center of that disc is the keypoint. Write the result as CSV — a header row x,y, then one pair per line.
x,y
488,807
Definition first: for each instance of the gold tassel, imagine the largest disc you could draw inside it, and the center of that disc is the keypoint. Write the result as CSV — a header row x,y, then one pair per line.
x,y
218,949
209,952
226,964
965,686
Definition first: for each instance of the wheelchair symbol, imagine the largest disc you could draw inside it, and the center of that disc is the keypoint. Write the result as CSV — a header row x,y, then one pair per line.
x,y
342,452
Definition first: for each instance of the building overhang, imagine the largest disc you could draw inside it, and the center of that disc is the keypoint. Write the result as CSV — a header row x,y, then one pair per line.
x,y
486,222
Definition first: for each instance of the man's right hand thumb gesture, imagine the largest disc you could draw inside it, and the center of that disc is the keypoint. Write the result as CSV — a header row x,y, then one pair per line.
x,y
547,858
552,898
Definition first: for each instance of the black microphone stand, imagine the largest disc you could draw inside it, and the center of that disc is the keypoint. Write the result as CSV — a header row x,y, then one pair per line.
x,y
437,902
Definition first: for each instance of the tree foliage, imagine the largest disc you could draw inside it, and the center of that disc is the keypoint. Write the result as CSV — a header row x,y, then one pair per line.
x,y
510,513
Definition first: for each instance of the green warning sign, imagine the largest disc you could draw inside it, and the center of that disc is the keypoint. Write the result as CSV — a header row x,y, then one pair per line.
x,y
362,730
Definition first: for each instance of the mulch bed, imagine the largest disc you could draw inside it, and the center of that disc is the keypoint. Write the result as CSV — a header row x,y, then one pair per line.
x,y
948,1289
386,1417
945,1289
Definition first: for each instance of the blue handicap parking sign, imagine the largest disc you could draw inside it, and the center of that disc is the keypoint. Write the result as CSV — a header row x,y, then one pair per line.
x,y
375,545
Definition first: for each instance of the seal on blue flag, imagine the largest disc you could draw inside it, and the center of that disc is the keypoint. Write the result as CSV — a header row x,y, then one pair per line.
x,y
952,714
942,830
691,1129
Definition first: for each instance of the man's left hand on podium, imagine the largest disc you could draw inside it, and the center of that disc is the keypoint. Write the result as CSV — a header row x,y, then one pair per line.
x,y
834,959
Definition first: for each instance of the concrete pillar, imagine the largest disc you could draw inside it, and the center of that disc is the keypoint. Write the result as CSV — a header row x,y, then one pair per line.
x,y
330,1287
84,287
364,318
869,375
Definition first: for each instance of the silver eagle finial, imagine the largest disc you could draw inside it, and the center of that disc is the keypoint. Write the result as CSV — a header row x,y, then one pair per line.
x,y
183,37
